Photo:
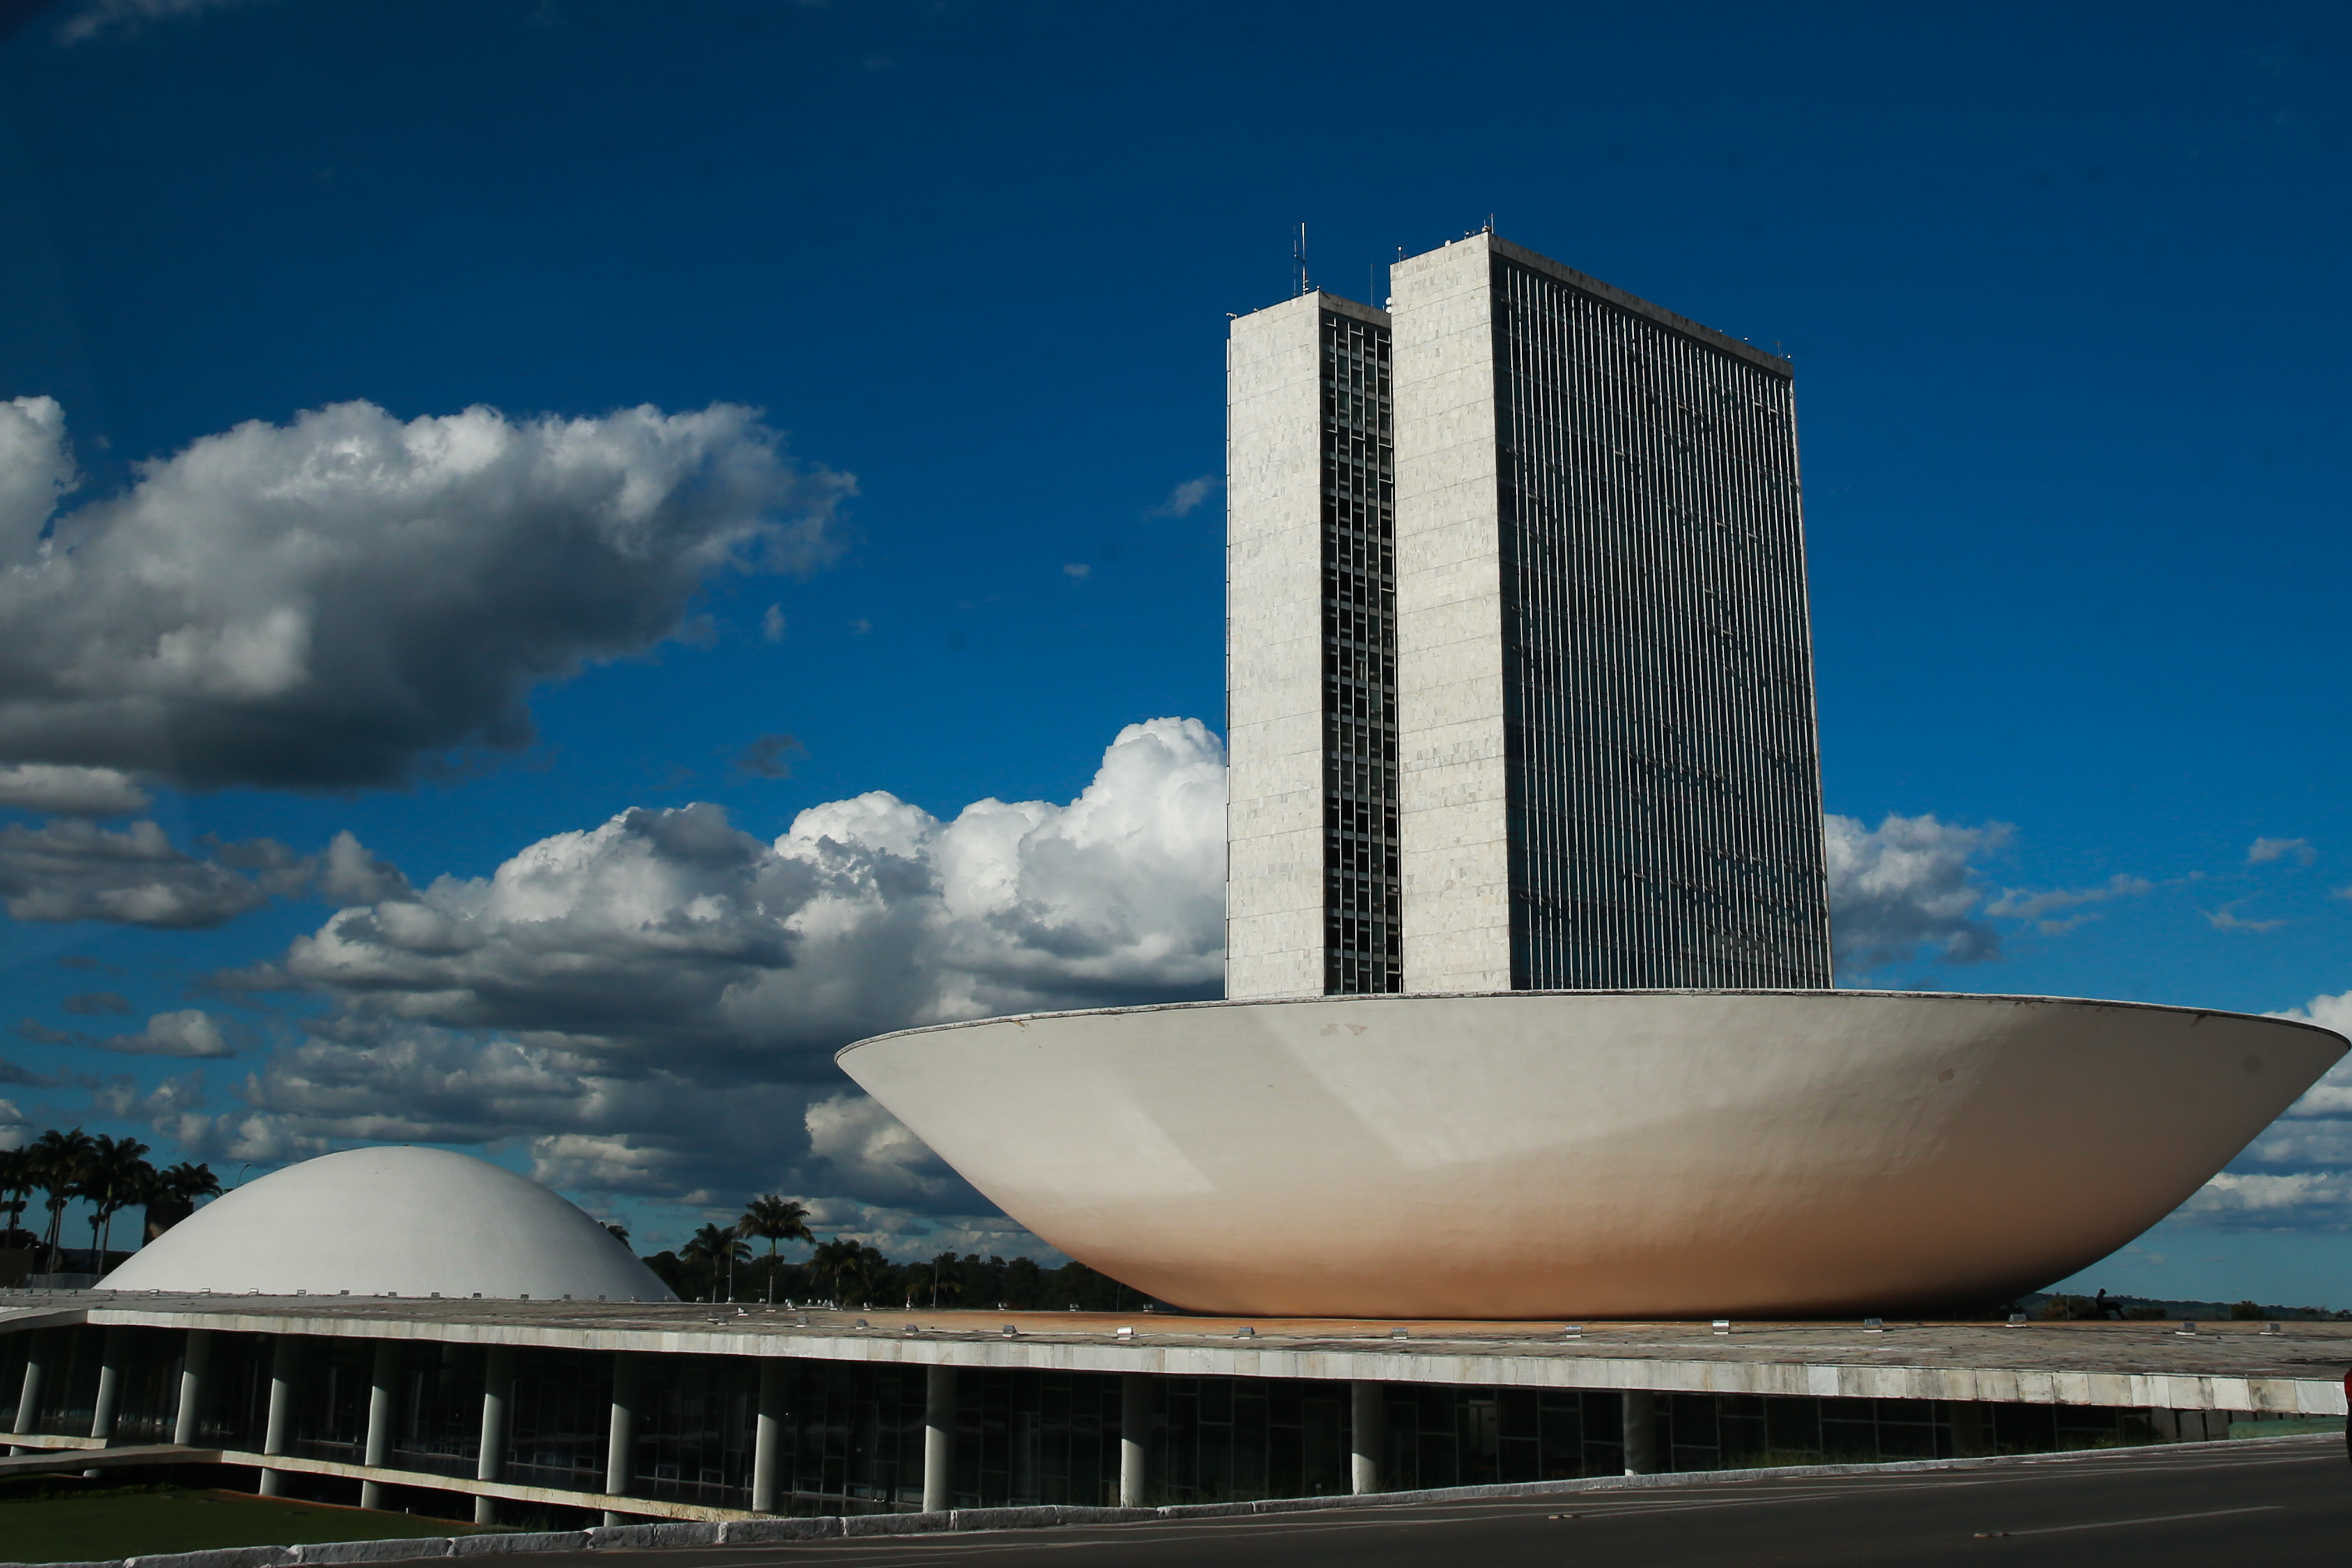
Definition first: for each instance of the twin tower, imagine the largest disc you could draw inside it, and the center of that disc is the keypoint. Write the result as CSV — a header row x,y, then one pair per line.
x,y
1518,663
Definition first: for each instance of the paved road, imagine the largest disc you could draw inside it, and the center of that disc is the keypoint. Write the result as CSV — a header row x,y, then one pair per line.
x,y
2281,1500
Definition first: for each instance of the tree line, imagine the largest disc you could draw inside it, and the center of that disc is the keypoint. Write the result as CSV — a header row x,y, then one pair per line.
x,y
718,1263
108,1174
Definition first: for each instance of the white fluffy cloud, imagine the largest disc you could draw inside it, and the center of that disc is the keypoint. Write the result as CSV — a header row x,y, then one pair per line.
x,y
190,1032
37,471
348,874
70,792
335,601
651,1006
1906,886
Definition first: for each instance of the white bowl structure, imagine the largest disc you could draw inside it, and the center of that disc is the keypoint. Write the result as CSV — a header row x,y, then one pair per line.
x,y
392,1222
1593,1154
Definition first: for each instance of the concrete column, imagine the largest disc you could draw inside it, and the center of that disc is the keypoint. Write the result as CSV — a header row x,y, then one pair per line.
x,y
938,1439
109,1385
1368,1416
285,1354
29,1399
621,1435
1134,1436
1641,1455
194,1362
490,1460
768,1443
384,1385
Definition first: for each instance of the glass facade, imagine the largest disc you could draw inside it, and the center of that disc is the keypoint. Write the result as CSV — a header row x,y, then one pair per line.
x,y
235,1413
1362,951
332,1382
697,1417
1027,1438
559,1419
436,1424
1461,1437
1235,1439
147,1395
849,1435
1664,806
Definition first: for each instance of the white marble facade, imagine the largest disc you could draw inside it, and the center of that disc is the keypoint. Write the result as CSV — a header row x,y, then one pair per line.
x,y
1274,641
1453,832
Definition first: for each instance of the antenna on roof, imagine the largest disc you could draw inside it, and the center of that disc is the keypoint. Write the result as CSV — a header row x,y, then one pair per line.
x,y
1298,259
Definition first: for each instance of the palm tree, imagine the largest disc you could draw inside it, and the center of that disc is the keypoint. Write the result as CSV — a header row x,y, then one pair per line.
x,y
834,1262
19,1178
60,1159
174,1194
119,1175
863,1274
777,1219
714,1245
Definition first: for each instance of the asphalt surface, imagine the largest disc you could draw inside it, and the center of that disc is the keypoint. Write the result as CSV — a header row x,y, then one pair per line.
x,y
2279,1500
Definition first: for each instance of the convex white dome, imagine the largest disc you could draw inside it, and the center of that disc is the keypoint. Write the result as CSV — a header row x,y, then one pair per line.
x,y
379,1222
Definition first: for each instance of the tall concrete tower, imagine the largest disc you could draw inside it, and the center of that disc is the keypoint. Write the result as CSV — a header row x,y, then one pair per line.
x,y
1311,889
1519,666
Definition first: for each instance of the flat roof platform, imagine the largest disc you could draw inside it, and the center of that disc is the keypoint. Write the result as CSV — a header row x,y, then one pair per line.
x,y
2285,1369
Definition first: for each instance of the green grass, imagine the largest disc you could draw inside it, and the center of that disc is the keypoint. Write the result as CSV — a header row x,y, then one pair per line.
x,y
65,1523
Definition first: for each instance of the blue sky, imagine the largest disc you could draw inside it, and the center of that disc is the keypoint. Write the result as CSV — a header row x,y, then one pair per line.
x,y
2059,283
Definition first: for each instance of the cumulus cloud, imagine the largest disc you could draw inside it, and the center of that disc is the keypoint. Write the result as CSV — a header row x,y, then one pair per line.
x,y
2263,850
673,927
874,1150
15,1130
70,792
190,1032
340,600
347,874
1907,887
73,870
651,1006
37,472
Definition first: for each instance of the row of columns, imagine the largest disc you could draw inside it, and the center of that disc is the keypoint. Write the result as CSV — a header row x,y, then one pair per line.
x,y
1367,1410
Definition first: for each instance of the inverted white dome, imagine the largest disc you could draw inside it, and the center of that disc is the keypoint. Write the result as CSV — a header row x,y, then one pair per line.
x,y
379,1222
